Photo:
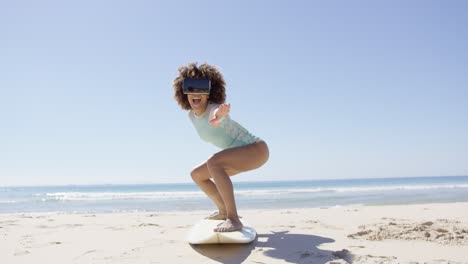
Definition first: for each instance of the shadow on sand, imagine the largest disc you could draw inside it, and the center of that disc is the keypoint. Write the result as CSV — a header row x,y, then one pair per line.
x,y
292,248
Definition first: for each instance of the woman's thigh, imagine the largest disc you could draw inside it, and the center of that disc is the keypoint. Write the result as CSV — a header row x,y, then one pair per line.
x,y
241,159
234,160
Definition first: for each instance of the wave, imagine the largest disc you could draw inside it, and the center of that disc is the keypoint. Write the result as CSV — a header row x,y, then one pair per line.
x,y
8,202
181,195
402,187
349,189
89,196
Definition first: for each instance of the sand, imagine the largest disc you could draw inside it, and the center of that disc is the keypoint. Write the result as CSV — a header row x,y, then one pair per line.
x,y
425,233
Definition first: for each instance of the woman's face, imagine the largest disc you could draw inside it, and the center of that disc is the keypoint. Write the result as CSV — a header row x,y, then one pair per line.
x,y
198,102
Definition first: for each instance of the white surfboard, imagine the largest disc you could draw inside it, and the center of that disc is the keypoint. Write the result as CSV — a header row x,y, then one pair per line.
x,y
202,233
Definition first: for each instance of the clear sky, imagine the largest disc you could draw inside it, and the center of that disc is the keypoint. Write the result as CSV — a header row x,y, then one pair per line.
x,y
338,89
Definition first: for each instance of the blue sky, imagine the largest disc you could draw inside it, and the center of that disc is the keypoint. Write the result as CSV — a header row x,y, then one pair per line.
x,y
338,89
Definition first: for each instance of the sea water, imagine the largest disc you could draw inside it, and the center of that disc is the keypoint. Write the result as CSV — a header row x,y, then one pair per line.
x,y
249,195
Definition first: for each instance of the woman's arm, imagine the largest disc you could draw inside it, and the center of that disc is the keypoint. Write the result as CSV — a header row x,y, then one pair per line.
x,y
219,113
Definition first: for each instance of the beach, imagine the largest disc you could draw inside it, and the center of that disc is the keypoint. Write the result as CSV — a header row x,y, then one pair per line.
x,y
115,115
416,233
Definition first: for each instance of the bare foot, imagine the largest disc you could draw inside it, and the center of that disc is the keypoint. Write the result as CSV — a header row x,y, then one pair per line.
x,y
229,226
217,216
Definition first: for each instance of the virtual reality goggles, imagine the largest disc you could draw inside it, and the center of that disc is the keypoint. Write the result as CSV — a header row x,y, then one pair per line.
x,y
196,86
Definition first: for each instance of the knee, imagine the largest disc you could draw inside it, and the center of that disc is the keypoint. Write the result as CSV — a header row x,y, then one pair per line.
x,y
195,174
216,166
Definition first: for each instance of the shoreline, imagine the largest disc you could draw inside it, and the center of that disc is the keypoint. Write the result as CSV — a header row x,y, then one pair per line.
x,y
418,233
251,195
248,209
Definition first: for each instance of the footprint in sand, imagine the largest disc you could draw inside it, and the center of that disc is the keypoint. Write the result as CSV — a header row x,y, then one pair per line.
x,y
115,228
357,246
89,215
26,216
148,224
9,223
43,226
72,225
374,259
22,253
315,222
288,212
285,226
26,241
84,254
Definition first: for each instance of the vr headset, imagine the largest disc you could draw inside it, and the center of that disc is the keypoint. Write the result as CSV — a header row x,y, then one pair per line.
x,y
196,86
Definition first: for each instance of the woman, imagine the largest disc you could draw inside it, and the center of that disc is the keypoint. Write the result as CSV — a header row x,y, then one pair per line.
x,y
201,91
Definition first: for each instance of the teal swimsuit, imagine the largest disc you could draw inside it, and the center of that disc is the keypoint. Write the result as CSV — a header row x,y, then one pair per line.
x,y
228,133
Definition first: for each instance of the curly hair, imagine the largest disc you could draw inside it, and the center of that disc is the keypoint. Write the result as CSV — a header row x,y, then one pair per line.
x,y
218,89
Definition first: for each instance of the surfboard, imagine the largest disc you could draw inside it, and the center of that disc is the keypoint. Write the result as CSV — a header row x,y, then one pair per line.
x,y
202,233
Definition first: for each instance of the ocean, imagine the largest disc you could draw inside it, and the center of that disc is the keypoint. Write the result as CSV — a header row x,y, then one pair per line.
x,y
249,195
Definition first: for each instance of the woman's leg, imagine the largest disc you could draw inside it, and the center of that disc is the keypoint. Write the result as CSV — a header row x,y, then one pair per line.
x,y
201,176
238,159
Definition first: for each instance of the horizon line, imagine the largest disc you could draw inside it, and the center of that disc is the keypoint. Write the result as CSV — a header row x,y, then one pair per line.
x,y
234,182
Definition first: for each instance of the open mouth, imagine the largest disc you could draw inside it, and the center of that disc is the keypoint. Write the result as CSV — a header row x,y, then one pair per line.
x,y
196,101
